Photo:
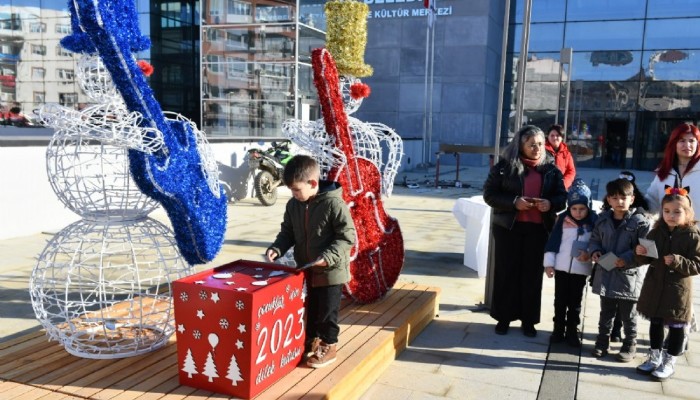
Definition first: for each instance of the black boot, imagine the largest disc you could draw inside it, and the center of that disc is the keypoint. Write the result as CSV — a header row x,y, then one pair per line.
x,y
557,333
572,336
602,346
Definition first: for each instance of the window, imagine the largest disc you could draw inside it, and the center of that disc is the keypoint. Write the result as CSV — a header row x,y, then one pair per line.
x,y
37,27
39,49
672,65
673,8
598,36
590,10
213,63
38,73
62,52
10,22
666,34
618,65
65,74
236,7
542,11
235,66
63,28
212,34
543,37
68,99
39,97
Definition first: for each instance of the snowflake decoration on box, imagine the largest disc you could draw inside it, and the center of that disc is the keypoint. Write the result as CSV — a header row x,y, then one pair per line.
x,y
223,323
203,295
239,305
184,296
197,334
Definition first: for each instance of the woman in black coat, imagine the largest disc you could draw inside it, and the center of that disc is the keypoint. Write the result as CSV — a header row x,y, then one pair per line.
x,y
525,191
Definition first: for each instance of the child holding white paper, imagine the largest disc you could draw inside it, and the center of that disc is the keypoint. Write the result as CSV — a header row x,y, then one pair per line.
x,y
567,260
617,231
666,296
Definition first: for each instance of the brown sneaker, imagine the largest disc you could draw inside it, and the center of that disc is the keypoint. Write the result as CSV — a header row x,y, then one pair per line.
x,y
325,355
309,351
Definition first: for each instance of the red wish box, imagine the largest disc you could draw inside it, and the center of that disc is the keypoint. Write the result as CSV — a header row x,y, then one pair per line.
x,y
240,326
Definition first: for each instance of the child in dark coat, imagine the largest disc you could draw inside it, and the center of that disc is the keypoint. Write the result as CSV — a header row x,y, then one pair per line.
x,y
666,297
317,222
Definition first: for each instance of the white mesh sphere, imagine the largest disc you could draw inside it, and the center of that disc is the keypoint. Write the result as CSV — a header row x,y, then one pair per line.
x,y
103,290
92,179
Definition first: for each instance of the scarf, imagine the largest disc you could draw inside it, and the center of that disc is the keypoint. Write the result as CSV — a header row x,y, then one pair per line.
x,y
529,162
532,187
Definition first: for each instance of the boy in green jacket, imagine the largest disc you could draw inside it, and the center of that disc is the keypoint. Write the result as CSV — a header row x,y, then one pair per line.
x,y
317,222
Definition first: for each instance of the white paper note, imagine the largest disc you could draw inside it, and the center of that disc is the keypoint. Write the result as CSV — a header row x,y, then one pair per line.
x,y
650,245
607,261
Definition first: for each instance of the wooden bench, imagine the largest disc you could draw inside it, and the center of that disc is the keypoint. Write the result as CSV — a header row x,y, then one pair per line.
x,y
456,149
371,337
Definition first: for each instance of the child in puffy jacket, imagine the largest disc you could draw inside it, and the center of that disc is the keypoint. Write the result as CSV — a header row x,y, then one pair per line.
x,y
567,261
618,278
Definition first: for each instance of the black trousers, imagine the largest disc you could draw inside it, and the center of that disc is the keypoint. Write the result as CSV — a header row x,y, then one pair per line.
x,y
675,337
568,293
626,309
517,282
322,306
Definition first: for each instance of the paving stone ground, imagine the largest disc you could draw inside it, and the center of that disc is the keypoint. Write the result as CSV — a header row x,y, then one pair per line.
x,y
457,355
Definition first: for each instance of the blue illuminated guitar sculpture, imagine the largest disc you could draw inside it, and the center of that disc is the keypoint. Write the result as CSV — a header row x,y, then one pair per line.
x,y
177,176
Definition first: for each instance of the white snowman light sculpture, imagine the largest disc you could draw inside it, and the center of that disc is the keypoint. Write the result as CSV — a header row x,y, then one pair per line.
x,y
101,286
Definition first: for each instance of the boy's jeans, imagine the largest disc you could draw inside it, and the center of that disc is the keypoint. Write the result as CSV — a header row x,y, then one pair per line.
x,y
628,313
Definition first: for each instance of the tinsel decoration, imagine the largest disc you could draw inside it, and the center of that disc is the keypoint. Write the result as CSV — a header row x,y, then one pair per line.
x,y
372,141
360,91
378,254
183,177
346,36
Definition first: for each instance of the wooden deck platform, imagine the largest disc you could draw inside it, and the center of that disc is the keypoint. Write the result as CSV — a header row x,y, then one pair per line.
x,y
371,337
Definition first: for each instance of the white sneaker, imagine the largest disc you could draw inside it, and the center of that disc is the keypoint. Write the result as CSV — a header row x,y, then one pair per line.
x,y
652,362
666,369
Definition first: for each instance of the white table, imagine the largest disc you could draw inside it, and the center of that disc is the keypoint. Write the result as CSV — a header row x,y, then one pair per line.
x,y
474,215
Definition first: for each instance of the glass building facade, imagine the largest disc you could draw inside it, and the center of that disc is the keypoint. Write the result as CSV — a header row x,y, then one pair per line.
x,y
256,66
239,68
35,69
634,75
236,67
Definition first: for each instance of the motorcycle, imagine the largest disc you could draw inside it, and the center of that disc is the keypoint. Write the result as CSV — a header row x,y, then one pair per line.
x,y
270,164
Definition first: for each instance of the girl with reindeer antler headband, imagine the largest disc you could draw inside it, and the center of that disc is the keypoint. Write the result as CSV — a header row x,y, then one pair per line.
x,y
666,295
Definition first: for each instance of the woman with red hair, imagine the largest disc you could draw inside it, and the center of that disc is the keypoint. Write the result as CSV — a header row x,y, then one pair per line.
x,y
678,168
